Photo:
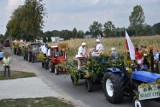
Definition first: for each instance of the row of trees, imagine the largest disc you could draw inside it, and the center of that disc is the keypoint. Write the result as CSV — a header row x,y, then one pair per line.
x,y
27,22
137,27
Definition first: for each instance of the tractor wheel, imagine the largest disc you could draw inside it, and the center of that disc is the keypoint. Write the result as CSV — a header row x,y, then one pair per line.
x,y
56,71
137,103
32,59
46,66
88,85
74,80
51,66
113,87
29,57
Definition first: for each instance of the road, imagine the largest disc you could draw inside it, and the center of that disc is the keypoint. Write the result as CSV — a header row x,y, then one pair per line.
x,y
62,85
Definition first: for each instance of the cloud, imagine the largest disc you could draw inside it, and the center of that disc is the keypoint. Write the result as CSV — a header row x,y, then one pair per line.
x,y
13,4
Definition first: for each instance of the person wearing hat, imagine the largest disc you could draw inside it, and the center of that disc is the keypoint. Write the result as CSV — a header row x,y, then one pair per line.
x,y
6,63
81,54
114,53
99,48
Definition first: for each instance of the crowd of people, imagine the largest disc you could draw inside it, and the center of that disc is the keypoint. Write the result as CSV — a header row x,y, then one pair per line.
x,y
82,54
142,55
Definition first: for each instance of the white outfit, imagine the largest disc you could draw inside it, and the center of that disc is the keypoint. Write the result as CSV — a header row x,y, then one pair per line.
x,y
99,50
81,51
99,47
44,49
48,52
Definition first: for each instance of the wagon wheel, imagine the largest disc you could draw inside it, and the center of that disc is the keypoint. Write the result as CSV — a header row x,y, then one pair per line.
x,y
32,59
88,85
137,103
74,80
42,64
46,63
29,57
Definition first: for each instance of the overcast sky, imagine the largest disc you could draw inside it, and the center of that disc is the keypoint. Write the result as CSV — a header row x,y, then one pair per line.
x,y
67,14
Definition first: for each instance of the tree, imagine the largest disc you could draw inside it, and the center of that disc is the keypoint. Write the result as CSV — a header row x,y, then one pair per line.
x,y
156,28
80,34
74,33
148,30
95,28
27,20
109,29
137,19
49,39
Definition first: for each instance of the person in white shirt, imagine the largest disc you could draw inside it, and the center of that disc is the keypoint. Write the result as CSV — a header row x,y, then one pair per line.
x,y
41,47
81,54
99,48
44,49
48,52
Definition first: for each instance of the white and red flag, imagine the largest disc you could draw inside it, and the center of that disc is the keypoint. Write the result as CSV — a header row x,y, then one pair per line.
x,y
130,46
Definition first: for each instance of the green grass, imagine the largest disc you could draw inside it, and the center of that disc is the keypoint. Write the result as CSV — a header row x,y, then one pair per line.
x,y
15,75
35,102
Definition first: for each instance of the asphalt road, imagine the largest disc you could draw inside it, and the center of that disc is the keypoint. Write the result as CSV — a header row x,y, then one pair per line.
x,y
63,85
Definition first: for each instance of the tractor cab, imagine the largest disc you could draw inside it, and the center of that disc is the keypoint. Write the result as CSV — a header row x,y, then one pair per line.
x,y
56,55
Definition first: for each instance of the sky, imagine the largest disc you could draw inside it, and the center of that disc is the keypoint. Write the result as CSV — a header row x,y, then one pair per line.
x,y
67,14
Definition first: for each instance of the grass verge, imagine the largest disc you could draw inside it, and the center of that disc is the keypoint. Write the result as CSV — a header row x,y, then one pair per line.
x,y
15,75
35,102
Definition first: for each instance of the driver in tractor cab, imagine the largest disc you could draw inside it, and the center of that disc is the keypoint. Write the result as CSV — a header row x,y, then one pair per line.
x,y
56,53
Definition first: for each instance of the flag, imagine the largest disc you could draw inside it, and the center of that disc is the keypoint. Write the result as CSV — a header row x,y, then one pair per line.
x,y
130,46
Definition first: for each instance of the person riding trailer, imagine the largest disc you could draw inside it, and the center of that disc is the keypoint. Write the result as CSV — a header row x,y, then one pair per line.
x,y
81,56
99,48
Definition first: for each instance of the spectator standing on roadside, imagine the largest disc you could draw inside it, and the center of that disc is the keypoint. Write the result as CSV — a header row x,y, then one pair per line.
x,y
6,63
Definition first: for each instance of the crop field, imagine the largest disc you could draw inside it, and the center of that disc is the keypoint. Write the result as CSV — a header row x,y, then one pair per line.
x,y
118,43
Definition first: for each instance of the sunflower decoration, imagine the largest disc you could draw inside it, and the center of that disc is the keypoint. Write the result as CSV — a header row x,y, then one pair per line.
x,y
88,63
41,56
87,75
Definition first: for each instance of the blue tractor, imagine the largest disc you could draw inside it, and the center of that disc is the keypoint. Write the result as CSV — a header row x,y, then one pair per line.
x,y
139,85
